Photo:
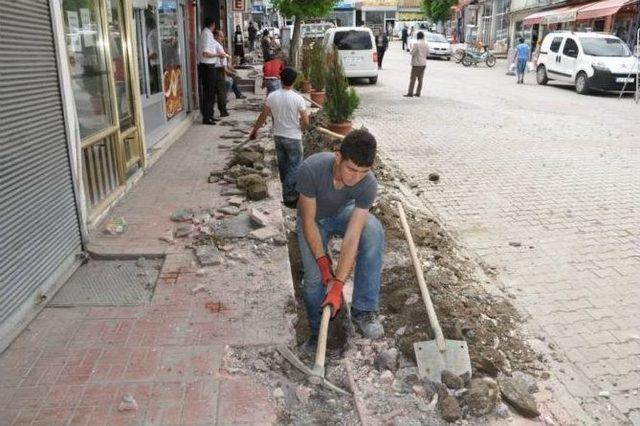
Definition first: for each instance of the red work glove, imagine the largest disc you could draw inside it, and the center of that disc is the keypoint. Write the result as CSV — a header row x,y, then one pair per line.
x,y
324,263
334,297
253,134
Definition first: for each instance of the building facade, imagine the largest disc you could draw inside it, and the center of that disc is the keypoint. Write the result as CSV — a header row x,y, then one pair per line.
x,y
92,92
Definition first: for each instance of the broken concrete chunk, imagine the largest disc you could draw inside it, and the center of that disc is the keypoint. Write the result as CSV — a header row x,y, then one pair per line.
x,y
208,255
234,227
386,377
388,360
232,191
142,263
527,379
229,210
451,380
265,233
449,408
258,217
245,181
198,289
182,215
128,403
183,231
482,396
258,191
434,177
116,225
167,237
516,393
236,201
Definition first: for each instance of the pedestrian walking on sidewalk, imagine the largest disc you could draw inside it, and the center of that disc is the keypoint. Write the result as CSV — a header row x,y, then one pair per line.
x,y
405,38
238,44
253,33
271,71
220,88
382,43
419,52
210,55
336,192
290,118
523,52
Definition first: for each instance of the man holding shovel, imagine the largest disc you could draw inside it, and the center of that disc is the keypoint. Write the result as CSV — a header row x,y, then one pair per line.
x,y
336,192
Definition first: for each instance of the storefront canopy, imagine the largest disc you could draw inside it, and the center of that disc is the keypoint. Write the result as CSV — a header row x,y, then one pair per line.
x,y
554,16
601,8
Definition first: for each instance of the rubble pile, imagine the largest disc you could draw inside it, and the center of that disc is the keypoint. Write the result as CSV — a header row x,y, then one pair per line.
x,y
383,374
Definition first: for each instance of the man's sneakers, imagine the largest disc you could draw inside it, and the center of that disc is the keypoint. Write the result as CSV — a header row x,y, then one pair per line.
x,y
367,323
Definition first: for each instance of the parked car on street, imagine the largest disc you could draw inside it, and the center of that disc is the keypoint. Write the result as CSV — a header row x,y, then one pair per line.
x,y
439,46
588,60
357,51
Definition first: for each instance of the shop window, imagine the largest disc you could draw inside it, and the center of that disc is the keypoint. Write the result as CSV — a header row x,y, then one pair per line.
x,y
88,66
169,34
119,65
570,48
598,25
148,50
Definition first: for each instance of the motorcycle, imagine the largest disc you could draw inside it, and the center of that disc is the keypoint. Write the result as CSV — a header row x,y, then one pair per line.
x,y
473,57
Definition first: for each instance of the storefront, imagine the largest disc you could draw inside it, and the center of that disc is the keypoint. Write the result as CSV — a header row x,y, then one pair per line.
x,y
161,29
343,14
379,13
40,208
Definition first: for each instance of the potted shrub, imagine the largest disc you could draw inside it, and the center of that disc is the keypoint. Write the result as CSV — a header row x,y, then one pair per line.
x,y
318,73
341,100
306,69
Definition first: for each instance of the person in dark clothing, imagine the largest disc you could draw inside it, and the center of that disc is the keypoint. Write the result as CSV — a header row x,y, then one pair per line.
x,y
265,44
220,75
382,43
238,44
405,38
253,33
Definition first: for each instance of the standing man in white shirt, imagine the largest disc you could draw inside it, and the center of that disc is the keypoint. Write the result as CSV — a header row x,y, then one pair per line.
x,y
419,52
290,118
221,74
209,55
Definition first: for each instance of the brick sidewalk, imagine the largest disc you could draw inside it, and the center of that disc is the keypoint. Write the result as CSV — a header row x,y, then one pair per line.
x,y
74,365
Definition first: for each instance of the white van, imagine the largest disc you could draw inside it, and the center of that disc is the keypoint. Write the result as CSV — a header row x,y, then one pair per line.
x,y
590,61
357,51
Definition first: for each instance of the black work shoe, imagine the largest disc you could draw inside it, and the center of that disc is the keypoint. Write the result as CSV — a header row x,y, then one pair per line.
x,y
224,114
368,324
408,95
210,122
417,95
241,97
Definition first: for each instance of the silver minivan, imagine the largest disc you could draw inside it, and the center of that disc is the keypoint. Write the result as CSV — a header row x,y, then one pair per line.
x,y
357,51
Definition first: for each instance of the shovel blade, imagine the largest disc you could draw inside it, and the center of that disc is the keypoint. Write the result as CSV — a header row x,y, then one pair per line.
x,y
431,362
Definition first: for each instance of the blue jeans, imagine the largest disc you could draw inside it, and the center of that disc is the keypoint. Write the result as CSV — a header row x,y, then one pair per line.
x,y
231,85
289,153
521,66
368,269
272,85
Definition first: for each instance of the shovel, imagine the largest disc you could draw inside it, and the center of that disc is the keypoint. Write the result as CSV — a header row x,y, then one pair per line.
x,y
317,373
434,356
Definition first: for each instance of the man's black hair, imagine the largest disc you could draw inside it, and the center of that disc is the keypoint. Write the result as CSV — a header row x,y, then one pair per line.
x,y
265,33
288,76
521,39
420,35
208,21
359,146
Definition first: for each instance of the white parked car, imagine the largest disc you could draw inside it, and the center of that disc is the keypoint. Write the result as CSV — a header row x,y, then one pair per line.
x,y
357,51
439,46
588,60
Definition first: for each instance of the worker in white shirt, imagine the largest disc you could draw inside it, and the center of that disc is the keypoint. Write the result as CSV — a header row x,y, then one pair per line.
x,y
210,54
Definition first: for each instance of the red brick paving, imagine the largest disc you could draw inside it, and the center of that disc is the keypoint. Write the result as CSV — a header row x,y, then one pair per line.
x,y
72,366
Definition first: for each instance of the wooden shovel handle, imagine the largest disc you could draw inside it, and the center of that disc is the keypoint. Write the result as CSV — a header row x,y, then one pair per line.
x,y
321,349
330,133
431,312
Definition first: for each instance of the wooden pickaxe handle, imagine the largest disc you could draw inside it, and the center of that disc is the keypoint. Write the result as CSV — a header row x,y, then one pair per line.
x,y
330,133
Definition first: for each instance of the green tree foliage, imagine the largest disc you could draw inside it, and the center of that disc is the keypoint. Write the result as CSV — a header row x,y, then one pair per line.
x,y
341,101
438,10
318,72
301,10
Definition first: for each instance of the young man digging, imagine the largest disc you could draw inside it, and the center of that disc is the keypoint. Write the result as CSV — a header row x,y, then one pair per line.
x,y
290,117
336,192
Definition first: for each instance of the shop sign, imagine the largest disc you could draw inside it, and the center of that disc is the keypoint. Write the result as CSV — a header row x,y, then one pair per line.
x,y
380,3
410,16
238,5
569,16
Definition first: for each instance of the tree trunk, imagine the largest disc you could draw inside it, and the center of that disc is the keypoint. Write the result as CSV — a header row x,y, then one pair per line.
x,y
294,48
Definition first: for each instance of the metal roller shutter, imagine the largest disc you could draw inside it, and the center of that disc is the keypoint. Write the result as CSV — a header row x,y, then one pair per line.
x,y
39,228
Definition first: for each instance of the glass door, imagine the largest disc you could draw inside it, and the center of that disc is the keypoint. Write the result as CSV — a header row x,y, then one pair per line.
x,y
172,58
